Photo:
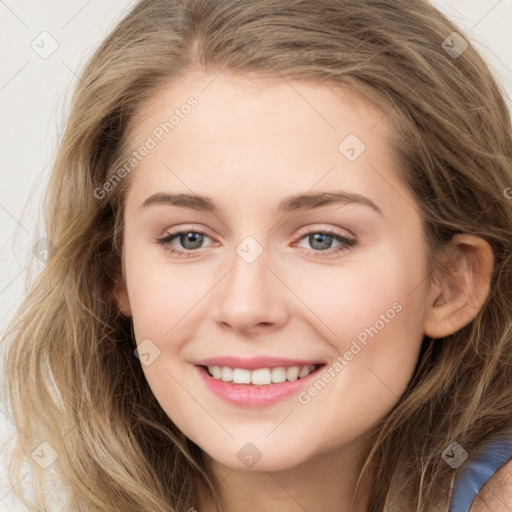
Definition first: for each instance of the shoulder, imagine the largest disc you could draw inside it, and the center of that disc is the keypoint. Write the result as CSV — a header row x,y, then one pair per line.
x,y
496,494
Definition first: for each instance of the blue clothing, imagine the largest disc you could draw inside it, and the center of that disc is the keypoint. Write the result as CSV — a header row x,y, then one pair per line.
x,y
475,473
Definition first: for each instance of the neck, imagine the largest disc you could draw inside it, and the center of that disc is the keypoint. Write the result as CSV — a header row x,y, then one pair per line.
x,y
326,481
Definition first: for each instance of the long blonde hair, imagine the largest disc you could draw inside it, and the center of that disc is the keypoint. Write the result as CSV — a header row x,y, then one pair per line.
x,y
73,379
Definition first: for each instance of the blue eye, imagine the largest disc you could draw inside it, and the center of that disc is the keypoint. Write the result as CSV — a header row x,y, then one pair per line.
x,y
192,240
190,243
321,241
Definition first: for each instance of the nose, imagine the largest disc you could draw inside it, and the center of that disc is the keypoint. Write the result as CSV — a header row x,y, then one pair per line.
x,y
251,298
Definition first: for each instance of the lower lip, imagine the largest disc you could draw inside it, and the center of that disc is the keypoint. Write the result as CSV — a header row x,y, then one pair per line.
x,y
251,395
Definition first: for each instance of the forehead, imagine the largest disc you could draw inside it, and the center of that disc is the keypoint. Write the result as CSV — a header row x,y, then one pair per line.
x,y
226,90
247,131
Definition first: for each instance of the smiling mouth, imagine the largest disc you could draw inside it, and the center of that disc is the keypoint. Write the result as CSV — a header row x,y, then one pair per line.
x,y
261,376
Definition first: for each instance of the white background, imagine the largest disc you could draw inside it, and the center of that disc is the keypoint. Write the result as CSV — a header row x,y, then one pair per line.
x,y
33,104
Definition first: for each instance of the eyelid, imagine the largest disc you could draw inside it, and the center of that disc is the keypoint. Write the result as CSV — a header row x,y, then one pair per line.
x,y
319,228
347,242
194,228
169,234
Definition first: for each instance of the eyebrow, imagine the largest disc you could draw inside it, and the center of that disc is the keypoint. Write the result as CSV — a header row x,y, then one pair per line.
x,y
307,201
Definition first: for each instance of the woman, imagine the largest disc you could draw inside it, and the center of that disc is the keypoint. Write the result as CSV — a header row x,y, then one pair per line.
x,y
340,336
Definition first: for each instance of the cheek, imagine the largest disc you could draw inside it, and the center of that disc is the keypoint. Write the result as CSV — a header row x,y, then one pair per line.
x,y
350,298
162,292
374,311
377,321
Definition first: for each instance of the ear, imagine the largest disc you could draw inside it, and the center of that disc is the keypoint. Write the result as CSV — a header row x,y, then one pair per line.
x,y
120,293
461,286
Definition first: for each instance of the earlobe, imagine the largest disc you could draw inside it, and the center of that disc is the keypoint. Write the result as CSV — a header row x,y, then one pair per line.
x,y
462,285
120,294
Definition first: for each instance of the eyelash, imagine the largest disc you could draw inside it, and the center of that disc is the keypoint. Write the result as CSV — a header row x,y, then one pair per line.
x,y
346,243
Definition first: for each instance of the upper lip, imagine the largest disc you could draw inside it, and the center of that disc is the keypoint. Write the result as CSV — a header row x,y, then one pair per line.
x,y
253,363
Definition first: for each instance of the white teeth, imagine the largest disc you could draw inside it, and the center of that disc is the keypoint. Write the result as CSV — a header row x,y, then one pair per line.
x,y
305,370
278,375
241,376
261,376
227,374
292,373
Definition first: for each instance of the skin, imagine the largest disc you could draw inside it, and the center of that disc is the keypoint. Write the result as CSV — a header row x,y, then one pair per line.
x,y
247,145
496,494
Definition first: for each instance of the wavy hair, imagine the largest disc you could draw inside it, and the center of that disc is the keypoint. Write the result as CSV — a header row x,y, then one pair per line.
x,y
71,373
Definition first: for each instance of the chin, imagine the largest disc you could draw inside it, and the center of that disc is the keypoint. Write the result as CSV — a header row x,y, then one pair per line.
x,y
256,457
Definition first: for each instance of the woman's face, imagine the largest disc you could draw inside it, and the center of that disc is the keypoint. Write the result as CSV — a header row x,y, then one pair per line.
x,y
303,248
